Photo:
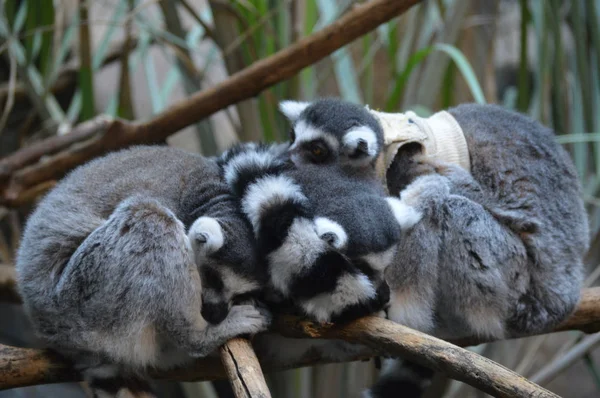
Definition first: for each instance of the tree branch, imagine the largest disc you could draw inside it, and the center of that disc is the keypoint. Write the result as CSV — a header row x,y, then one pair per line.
x,y
19,174
243,370
23,367
388,338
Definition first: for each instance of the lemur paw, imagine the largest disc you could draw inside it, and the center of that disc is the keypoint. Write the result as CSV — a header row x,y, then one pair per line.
x,y
406,215
331,232
428,187
248,319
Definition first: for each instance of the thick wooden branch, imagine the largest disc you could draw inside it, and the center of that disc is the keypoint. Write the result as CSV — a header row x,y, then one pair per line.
x,y
24,367
243,370
19,173
388,338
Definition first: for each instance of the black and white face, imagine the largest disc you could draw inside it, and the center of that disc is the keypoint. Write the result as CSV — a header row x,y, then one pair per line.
x,y
222,286
331,130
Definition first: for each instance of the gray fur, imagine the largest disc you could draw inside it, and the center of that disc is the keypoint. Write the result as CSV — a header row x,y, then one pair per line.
x,y
106,269
352,136
357,204
305,266
499,251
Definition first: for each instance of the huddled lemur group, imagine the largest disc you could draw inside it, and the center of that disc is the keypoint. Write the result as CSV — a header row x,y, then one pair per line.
x,y
151,256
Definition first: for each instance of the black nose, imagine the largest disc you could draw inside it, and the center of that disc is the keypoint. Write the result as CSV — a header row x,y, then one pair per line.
x,y
214,312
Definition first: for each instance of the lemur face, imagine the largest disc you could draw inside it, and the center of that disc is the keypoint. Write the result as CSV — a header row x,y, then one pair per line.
x,y
331,130
226,259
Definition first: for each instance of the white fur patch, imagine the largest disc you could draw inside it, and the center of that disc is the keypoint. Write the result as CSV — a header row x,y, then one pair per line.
x,y
407,216
381,260
211,229
267,192
351,289
354,136
138,346
485,323
306,132
410,309
299,251
326,226
293,109
236,284
102,372
245,160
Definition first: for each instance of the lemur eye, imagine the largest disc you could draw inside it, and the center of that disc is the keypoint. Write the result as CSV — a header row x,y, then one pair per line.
x,y
318,151
292,135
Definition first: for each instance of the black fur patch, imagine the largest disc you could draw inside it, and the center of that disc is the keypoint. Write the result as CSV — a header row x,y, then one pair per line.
x,y
250,173
322,277
365,308
394,388
114,384
275,223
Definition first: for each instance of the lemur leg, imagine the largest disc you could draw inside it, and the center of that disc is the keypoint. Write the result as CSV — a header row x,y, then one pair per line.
x,y
121,283
201,339
129,276
413,276
479,262
511,221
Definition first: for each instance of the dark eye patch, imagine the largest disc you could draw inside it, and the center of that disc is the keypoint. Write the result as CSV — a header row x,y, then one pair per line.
x,y
212,279
317,150
292,135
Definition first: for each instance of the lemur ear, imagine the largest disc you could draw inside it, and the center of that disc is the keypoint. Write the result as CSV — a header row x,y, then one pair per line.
x,y
360,141
292,109
206,235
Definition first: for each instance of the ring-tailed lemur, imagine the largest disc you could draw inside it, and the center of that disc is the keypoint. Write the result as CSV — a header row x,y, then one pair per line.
x,y
303,250
329,131
498,250
335,146
138,259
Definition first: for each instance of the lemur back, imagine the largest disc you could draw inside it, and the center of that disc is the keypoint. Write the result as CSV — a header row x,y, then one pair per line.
x,y
513,231
120,259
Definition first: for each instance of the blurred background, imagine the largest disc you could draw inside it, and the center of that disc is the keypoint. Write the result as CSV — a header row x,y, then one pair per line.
x,y
65,61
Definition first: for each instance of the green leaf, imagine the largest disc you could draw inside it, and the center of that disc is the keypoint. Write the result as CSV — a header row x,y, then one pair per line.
x,y
465,69
393,100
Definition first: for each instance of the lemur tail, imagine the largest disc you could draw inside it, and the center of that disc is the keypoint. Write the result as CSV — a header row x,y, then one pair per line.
x,y
107,381
400,377
301,251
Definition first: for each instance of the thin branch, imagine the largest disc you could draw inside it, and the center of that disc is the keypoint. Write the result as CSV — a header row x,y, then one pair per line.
x,y
16,181
12,81
243,370
579,350
208,30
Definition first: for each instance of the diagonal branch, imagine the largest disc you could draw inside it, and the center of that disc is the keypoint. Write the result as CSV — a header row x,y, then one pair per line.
x,y
19,173
388,338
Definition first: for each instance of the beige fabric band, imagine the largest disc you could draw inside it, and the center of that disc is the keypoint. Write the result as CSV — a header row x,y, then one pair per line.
x,y
440,135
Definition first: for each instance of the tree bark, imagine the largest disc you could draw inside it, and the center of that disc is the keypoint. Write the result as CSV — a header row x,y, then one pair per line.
x,y
243,370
